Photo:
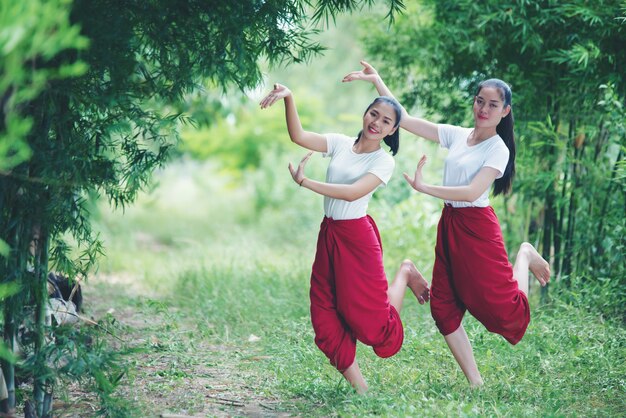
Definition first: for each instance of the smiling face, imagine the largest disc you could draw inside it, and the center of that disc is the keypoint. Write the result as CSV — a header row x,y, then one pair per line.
x,y
379,121
489,107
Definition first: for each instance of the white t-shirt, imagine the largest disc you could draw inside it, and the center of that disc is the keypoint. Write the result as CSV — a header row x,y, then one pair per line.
x,y
464,162
346,167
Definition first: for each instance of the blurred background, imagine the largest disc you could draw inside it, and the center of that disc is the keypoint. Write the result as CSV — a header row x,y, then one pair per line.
x,y
226,195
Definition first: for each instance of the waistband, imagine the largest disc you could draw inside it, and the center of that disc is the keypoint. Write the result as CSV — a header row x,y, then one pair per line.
x,y
329,220
349,228
450,207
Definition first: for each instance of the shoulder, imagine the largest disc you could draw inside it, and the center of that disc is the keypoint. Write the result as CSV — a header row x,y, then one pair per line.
x,y
338,137
453,129
387,158
339,140
382,166
337,143
449,134
498,146
383,159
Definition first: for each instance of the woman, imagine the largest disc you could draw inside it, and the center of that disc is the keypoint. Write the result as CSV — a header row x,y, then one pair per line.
x,y
350,296
471,270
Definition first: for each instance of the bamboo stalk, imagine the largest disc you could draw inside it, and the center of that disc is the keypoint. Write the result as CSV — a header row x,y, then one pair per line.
x,y
548,222
609,191
41,302
8,369
10,329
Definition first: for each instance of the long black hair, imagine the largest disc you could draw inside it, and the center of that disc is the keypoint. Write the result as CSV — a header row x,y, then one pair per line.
x,y
505,131
392,140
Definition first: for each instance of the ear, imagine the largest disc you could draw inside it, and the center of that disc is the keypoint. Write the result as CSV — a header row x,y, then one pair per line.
x,y
506,111
393,131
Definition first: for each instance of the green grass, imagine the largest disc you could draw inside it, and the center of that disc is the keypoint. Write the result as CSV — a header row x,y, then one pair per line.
x,y
235,272
569,363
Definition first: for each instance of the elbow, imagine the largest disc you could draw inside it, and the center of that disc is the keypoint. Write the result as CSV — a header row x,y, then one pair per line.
x,y
347,197
351,196
296,139
471,197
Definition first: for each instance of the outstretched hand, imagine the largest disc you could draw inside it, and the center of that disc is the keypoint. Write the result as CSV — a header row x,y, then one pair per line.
x,y
279,92
368,73
418,179
298,173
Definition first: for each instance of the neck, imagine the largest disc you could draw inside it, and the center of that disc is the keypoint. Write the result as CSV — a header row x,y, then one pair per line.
x,y
481,134
365,145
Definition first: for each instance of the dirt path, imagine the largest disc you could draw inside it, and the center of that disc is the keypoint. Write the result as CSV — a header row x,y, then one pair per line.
x,y
174,371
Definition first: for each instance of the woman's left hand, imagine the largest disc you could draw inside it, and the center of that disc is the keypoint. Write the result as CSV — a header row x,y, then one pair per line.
x,y
298,173
368,73
417,182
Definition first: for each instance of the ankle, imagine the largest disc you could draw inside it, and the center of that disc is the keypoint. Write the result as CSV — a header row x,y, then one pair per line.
x,y
476,384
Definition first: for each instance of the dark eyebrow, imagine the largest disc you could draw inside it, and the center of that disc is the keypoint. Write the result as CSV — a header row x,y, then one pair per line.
x,y
495,100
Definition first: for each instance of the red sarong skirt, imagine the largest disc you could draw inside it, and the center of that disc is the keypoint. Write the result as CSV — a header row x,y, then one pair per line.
x,y
348,293
472,272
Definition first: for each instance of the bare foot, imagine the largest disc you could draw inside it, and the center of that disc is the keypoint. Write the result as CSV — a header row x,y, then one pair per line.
x,y
416,282
355,378
477,384
539,267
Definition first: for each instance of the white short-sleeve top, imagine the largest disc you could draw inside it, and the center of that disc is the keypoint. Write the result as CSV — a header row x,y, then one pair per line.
x,y
464,162
346,167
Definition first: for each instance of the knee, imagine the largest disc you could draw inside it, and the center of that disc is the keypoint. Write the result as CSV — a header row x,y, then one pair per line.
x,y
378,330
370,336
446,320
512,329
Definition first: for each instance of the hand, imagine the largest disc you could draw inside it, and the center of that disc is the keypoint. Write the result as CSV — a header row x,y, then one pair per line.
x,y
279,92
368,73
298,173
417,182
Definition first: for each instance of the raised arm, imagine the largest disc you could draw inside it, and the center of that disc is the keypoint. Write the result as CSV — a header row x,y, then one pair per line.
x,y
348,192
306,139
417,126
481,182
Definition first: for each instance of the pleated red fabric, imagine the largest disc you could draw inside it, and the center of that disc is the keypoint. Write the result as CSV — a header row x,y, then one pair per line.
x,y
472,272
348,293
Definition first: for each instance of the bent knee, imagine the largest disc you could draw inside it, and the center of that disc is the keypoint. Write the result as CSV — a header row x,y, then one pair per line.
x,y
447,320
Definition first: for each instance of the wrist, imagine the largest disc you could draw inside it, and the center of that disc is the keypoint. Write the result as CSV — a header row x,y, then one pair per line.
x,y
301,181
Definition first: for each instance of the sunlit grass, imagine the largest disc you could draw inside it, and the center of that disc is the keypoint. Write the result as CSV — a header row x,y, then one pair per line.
x,y
239,270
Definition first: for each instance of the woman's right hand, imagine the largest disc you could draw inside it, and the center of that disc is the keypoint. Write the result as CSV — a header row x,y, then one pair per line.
x,y
368,73
417,181
279,92
297,173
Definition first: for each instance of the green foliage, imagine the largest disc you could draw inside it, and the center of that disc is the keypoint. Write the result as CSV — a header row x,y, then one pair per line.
x,y
570,132
238,140
32,32
95,89
83,355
